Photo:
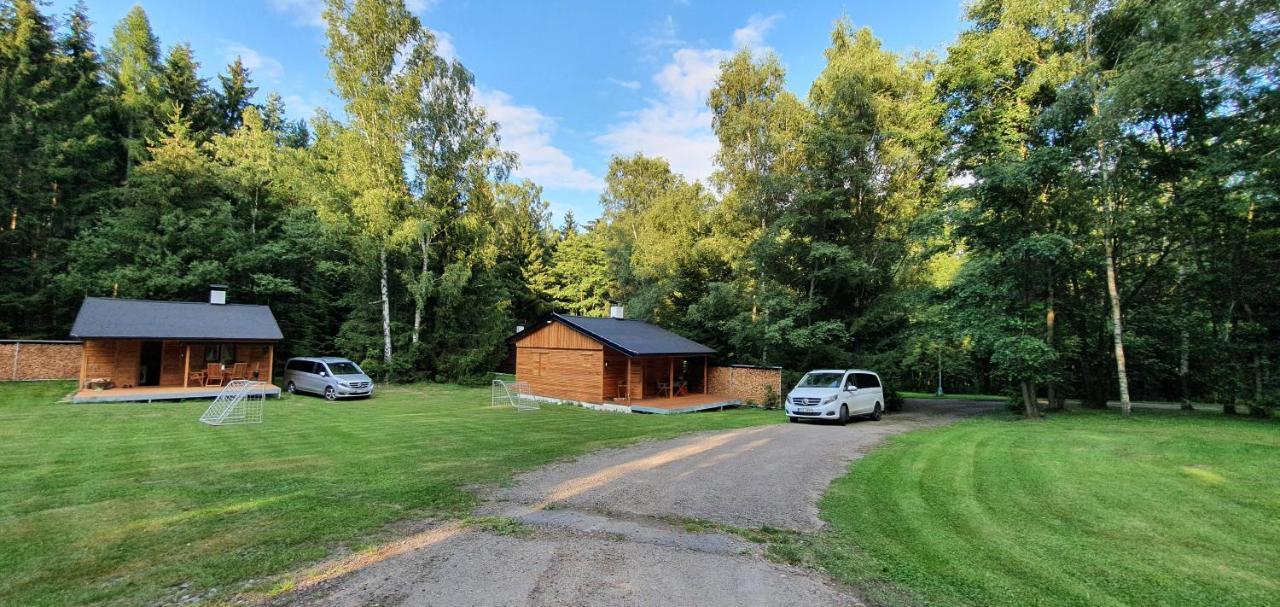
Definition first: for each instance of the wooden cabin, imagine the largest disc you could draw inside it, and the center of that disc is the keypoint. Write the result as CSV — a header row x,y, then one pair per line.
x,y
142,350
615,361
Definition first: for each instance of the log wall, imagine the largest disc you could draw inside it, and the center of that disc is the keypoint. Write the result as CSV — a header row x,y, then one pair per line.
x,y
568,374
749,384
39,360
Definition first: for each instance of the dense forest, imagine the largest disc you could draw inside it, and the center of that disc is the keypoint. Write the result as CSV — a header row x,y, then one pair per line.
x,y
1078,200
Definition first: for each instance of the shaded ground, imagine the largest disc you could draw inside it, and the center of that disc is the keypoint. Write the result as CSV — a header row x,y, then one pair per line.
x,y
603,529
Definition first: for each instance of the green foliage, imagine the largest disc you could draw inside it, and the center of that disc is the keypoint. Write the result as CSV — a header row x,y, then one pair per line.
x,y
918,215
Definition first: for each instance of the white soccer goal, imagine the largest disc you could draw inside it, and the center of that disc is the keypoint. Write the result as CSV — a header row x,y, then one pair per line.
x,y
239,402
514,394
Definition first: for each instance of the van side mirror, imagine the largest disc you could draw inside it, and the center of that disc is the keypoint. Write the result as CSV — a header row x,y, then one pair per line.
x,y
850,388
324,374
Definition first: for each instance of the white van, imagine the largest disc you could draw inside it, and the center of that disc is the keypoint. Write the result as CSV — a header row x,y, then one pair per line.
x,y
836,394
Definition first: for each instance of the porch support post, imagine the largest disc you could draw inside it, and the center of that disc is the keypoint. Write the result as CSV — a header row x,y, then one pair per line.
x,y
628,381
671,377
186,367
84,363
704,375
271,361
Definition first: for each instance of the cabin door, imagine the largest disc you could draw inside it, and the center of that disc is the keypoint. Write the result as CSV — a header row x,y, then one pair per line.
x,y
149,363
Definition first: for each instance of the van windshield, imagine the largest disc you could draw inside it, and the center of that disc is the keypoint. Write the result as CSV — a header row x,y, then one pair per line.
x,y
820,380
344,368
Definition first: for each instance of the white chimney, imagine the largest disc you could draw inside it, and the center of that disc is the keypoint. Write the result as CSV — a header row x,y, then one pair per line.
x,y
618,312
519,328
218,294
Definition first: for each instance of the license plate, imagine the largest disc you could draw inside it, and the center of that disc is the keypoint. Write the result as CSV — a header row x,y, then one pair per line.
x,y
804,410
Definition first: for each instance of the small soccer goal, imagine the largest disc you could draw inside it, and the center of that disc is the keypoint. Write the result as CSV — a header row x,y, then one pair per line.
x,y
239,402
514,394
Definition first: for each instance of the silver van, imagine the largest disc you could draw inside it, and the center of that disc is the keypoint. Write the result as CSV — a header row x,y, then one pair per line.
x,y
328,376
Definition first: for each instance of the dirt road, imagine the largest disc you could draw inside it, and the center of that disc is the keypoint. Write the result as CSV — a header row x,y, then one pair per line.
x,y
605,529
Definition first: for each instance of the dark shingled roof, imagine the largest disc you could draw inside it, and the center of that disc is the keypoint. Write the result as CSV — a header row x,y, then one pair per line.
x,y
631,337
144,319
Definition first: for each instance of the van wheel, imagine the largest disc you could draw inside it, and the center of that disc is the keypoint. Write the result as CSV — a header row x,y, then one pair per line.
x,y
330,393
844,415
875,413
793,420
290,388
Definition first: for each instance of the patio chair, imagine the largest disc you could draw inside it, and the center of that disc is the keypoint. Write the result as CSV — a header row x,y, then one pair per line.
x,y
682,388
213,373
196,377
238,371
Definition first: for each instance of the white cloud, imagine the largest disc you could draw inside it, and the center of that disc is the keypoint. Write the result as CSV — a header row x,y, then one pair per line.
x,y
752,34
626,84
659,39
263,68
306,12
444,45
676,124
527,131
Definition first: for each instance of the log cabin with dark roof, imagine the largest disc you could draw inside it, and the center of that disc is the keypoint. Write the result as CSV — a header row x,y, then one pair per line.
x,y
144,350
617,362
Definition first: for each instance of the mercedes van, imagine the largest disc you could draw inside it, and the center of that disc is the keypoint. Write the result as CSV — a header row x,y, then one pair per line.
x,y
327,376
836,395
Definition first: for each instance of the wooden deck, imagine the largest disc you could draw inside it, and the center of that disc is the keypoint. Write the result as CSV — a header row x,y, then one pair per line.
x,y
682,404
153,393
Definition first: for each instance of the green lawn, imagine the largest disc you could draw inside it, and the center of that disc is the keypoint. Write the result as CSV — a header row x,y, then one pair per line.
x,y
1084,508
124,503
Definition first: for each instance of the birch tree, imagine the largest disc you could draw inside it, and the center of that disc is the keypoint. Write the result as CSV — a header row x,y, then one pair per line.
x,y
380,59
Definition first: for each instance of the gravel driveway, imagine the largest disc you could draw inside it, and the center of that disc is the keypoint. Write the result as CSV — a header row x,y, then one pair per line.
x,y
604,526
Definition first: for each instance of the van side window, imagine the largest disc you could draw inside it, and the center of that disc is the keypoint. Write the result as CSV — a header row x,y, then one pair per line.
x,y
852,381
867,380
294,365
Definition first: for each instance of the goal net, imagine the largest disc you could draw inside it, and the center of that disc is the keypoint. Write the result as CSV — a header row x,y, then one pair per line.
x,y
239,402
514,394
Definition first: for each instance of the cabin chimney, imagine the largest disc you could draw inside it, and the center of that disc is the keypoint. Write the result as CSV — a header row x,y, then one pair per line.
x,y
617,311
218,294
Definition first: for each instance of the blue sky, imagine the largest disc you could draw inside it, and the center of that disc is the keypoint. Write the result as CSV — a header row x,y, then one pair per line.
x,y
570,82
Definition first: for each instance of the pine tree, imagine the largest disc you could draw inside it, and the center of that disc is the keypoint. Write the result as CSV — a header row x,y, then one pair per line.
x,y
132,65
237,94
183,91
28,94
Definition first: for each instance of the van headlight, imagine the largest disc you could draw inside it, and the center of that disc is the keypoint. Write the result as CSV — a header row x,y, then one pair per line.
x,y
828,400
344,384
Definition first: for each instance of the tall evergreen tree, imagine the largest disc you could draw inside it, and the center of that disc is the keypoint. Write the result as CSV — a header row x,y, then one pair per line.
x,y
184,91
132,65
236,95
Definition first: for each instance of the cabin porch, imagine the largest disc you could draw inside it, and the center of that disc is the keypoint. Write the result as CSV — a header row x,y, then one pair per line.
x,y
153,393
115,370
684,404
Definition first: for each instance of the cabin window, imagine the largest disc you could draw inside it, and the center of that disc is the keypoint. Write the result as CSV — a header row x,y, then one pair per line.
x,y
220,353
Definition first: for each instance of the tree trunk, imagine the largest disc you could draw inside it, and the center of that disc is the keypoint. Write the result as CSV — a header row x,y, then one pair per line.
x,y
386,314
1184,341
940,373
420,292
1050,317
1117,330
1029,400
